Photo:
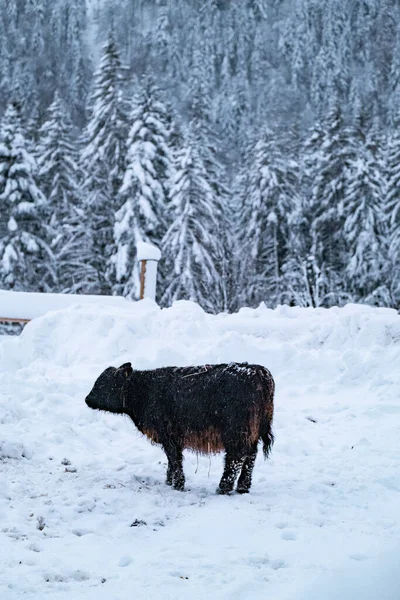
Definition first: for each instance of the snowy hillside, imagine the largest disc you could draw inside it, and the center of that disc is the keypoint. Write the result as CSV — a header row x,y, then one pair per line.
x,y
85,513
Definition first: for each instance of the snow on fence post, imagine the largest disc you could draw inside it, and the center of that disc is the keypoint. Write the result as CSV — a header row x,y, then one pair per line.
x,y
148,255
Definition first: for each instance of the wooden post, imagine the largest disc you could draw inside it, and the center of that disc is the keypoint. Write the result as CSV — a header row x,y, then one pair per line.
x,y
148,255
142,278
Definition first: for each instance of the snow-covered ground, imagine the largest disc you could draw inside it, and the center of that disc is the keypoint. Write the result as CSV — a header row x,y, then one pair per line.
x,y
85,513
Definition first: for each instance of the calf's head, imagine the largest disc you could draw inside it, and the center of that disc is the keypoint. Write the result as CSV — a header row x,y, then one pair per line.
x,y
107,392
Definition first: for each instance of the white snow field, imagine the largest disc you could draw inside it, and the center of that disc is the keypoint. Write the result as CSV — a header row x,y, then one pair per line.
x,y
85,512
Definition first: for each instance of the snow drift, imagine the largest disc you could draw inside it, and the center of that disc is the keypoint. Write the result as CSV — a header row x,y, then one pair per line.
x,y
83,504
30,305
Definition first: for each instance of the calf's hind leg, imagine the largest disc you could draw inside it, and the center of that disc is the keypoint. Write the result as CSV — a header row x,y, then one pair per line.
x,y
233,463
175,475
244,482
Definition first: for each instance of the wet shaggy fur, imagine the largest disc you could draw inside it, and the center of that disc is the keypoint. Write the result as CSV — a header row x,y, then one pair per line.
x,y
207,409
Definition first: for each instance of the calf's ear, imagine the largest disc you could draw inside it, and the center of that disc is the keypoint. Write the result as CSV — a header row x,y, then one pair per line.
x,y
125,369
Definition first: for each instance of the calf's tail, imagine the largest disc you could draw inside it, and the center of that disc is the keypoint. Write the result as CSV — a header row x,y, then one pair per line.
x,y
267,436
267,391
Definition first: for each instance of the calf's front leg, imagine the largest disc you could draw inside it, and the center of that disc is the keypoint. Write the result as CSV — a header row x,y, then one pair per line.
x,y
170,474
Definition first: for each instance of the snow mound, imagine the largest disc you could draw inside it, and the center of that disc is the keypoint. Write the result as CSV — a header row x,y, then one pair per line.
x,y
30,305
89,512
10,449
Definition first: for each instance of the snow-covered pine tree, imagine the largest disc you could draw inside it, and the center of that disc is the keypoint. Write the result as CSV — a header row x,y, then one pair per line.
x,y
200,56
237,290
394,79
58,164
192,247
144,191
161,34
364,223
76,70
304,279
5,63
391,205
331,162
204,136
60,178
387,23
392,178
337,35
26,261
268,199
299,42
103,162
225,114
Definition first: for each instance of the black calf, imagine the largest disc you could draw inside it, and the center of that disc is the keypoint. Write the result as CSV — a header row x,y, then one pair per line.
x,y
206,409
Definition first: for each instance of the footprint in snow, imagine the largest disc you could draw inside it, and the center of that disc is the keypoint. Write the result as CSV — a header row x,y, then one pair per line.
x,y
288,535
278,564
358,556
14,534
76,575
81,532
258,561
35,548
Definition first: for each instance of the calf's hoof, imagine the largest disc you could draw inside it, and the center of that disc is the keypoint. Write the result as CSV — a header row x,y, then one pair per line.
x,y
242,490
179,486
223,491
